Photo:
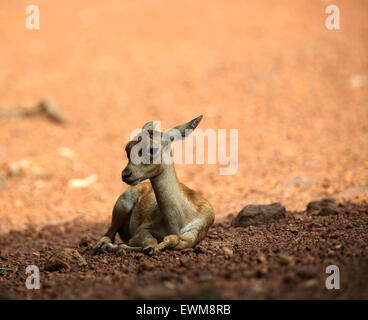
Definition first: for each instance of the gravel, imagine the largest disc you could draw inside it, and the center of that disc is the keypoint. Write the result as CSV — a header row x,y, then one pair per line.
x,y
267,261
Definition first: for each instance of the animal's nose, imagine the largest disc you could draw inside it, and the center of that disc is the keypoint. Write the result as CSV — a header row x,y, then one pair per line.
x,y
125,174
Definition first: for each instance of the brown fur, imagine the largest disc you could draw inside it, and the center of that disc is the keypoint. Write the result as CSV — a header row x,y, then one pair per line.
x,y
157,215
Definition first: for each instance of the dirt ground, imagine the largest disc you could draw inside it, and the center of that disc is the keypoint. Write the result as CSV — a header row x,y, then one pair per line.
x,y
286,259
296,92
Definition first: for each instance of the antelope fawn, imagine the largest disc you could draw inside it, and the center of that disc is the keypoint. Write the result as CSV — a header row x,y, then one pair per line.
x,y
150,217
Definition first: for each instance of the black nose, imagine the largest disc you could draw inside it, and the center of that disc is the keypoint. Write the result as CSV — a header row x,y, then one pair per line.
x,y
125,174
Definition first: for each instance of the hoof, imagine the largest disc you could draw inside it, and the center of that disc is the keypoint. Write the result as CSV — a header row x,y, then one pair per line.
x,y
150,251
95,250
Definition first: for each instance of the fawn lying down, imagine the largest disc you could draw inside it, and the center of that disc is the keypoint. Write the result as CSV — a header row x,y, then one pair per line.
x,y
150,217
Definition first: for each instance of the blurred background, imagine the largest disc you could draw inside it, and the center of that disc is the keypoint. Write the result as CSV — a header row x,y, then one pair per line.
x,y
296,91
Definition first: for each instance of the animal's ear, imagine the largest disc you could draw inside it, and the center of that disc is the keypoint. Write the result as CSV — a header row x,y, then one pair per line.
x,y
183,130
149,125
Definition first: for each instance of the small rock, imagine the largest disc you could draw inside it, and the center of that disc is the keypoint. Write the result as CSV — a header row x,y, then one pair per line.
x,y
84,242
258,214
260,270
199,249
335,235
261,258
87,277
298,216
146,266
185,261
16,169
286,260
227,251
309,283
293,230
82,183
258,289
117,278
169,285
67,153
323,207
66,259
49,107
297,181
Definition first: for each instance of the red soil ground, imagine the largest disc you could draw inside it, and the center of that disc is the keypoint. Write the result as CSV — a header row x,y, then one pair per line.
x,y
286,259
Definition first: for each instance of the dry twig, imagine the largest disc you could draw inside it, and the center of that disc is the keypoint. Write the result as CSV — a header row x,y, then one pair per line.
x,y
46,106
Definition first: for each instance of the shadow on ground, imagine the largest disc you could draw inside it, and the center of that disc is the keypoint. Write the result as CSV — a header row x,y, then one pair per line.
x,y
286,259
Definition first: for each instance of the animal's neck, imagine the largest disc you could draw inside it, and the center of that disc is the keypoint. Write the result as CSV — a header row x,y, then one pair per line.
x,y
169,195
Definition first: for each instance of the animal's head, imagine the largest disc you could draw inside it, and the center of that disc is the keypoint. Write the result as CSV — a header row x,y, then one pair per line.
x,y
149,151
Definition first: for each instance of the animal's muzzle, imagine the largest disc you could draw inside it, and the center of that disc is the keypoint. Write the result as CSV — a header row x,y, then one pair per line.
x,y
125,174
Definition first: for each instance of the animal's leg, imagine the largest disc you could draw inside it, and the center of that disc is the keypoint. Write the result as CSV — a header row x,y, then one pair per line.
x,y
122,246
186,240
142,240
145,240
120,219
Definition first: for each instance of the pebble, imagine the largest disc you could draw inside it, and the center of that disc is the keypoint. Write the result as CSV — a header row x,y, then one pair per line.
x,y
146,266
286,260
16,169
65,259
83,183
185,261
227,251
